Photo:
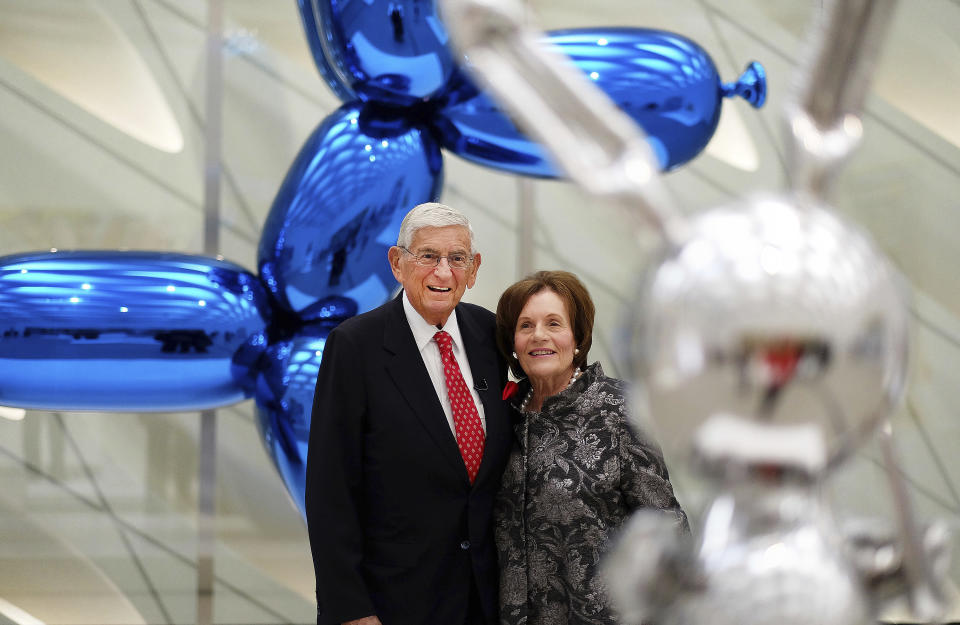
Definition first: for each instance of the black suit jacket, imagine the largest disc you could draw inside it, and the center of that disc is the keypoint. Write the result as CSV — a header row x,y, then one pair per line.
x,y
395,526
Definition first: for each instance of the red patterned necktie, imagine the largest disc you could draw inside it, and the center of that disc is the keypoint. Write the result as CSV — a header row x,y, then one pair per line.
x,y
466,419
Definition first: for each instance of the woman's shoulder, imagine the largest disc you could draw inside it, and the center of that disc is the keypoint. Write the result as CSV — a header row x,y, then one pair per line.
x,y
605,382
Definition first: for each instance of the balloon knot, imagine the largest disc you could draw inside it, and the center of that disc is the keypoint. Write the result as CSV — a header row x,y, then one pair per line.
x,y
751,86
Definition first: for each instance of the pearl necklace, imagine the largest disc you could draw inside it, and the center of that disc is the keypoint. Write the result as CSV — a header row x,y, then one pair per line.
x,y
526,400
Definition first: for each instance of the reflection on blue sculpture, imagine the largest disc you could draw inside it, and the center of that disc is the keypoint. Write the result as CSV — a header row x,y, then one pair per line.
x,y
309,18
286,378
330,308
339,210
130,331
665,82
389,51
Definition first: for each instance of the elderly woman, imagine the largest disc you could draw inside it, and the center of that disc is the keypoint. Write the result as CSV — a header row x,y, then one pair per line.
x,y
577,469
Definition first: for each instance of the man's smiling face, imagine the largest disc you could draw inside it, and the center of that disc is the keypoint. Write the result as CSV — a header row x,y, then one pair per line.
x,y
435,291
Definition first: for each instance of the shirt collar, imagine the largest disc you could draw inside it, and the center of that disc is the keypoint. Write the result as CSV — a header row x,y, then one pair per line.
x,y
423,332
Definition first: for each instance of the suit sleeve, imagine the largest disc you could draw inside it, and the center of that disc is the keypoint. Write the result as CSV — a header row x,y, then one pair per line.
x,y
333,484
644,480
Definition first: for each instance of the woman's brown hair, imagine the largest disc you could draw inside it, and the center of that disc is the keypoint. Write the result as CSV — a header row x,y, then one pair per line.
x,y
575,297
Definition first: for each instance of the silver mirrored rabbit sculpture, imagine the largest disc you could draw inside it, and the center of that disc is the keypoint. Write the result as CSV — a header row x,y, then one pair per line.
x,y
770,335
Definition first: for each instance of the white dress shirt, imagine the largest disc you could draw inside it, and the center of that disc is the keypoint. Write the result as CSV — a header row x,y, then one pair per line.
x,y
430,352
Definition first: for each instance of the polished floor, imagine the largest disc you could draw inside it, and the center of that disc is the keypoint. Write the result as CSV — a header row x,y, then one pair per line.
x,y
98,523
98,511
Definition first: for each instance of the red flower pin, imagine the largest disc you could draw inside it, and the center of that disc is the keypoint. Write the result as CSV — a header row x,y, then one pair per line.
x,y
509,389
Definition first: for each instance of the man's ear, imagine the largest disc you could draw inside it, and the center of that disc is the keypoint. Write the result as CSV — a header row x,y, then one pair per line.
x,y
393,255
472,279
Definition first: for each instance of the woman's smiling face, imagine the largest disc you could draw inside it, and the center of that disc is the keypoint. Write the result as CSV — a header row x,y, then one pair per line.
x,y
543,339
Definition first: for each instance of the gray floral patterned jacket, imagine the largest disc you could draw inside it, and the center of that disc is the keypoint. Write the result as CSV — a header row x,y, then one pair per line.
x,y
576,472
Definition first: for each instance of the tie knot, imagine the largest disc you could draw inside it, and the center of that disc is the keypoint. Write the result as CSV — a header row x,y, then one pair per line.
x,y
444,340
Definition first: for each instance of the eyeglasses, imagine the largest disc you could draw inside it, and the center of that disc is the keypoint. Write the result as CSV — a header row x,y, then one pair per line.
x,y
432,259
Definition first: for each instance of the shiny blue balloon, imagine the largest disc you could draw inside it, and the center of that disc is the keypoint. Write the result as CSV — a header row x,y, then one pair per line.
x,y
665,82
123,331
339,210
389,51
331,308
247,360
285,381
309,18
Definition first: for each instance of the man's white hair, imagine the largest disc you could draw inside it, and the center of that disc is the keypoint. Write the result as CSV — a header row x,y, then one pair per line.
x,y
432,215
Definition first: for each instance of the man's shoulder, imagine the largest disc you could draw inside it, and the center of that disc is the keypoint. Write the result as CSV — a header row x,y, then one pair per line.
x,y
479,313
366,321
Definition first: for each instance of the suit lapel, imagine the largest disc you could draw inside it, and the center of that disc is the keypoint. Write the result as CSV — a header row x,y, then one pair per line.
x,y
405,366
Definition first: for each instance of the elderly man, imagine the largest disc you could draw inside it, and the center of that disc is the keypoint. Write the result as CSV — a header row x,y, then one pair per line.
x,y
408,440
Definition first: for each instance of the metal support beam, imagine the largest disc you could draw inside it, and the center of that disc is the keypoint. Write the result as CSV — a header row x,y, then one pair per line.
x,y
207,478
525,224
